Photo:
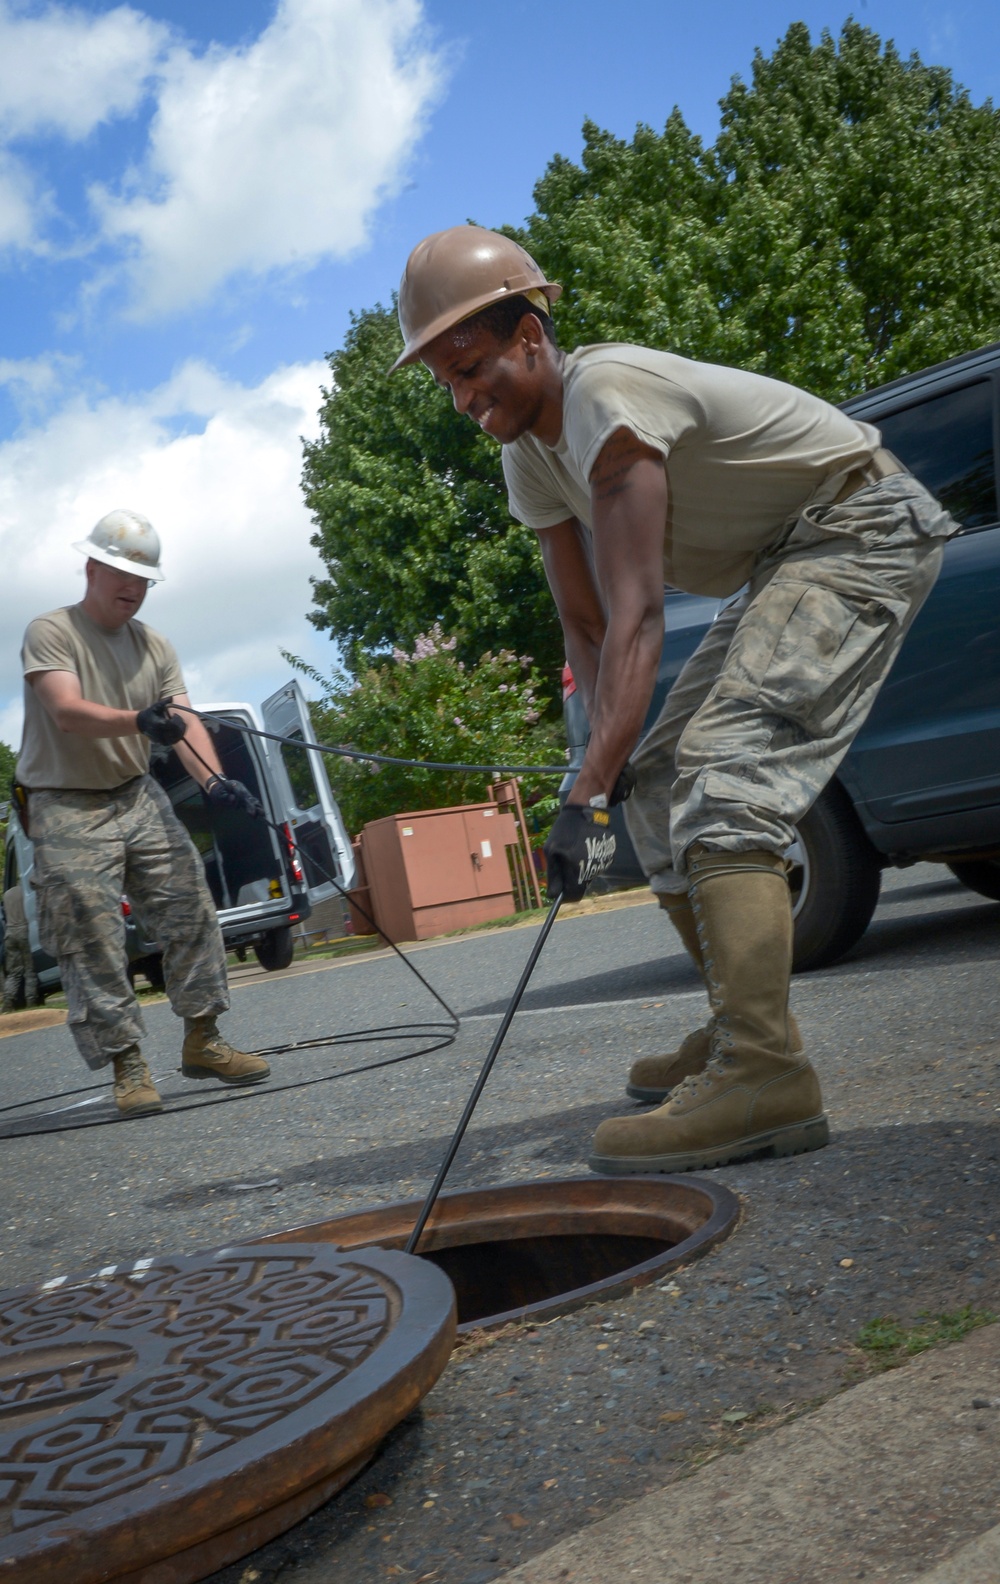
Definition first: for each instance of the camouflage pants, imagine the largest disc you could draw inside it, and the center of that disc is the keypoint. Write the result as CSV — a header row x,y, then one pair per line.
x,y
771,700
90,848
18,966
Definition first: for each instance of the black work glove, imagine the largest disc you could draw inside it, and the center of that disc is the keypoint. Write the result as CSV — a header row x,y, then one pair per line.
x,y
624,786
157,723
580,847
232,794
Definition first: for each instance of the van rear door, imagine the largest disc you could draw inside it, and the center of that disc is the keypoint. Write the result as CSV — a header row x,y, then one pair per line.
x,y
312,812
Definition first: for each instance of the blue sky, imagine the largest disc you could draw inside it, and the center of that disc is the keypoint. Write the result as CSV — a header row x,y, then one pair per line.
x,y
194,197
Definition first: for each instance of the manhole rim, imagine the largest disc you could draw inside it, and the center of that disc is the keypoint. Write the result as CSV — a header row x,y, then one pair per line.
x,y
723,1213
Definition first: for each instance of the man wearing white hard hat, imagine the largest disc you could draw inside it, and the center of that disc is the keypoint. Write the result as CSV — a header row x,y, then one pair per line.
x,y
98,685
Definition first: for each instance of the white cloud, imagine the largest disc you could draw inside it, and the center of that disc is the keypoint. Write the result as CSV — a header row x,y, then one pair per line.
x,y
35,382
66,70
215,465
62,72
274,155
21,205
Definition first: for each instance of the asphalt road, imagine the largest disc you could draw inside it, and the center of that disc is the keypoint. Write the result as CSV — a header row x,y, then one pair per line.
x,y
539,1434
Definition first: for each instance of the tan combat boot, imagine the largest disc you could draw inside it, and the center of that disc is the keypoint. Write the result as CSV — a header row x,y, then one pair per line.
x,y
135,1091
756,1095
653,1077
205,1054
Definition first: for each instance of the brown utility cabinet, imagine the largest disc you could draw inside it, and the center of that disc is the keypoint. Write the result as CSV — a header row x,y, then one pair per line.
x,y
439,869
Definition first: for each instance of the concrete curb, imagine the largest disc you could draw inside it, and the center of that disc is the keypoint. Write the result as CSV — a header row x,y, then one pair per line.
x,y
976,1563
881,1482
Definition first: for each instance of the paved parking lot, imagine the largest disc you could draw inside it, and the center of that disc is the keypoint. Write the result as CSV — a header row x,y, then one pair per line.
x,y
543,1432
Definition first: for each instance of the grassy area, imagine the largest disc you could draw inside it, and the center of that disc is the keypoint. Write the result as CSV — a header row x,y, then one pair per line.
x,y
888,1342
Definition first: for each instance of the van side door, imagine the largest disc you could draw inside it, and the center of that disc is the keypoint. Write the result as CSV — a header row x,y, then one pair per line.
x,y
311,808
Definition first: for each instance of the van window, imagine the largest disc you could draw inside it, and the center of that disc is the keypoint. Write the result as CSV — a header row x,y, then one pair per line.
x,y
947,441
298,764
240,854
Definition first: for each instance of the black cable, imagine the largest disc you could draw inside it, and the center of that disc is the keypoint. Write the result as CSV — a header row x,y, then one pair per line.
x,y
441,1034
373,758
480,1083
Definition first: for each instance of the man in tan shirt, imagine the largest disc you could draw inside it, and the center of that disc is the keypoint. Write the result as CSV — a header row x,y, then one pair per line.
x,y
637,467
98,683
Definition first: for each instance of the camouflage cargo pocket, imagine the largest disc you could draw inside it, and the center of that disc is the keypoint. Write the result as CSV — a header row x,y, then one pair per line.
x,y
65,922
806,651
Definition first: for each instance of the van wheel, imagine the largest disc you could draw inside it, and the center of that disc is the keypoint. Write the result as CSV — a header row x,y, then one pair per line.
x,y
276,950
981,875
835,881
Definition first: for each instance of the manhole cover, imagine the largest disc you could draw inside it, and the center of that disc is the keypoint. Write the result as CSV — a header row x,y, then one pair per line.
x,y
159,1421
528,1249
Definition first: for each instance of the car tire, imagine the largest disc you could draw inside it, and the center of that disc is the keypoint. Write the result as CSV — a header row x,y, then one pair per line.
x,y
276,950
981,875
835,882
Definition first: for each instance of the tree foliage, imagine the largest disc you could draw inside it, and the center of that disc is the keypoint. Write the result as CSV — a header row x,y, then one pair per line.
x,y
8,761
428,704
843,229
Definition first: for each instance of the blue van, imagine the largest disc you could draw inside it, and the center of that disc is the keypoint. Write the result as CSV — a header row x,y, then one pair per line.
x,y
922,781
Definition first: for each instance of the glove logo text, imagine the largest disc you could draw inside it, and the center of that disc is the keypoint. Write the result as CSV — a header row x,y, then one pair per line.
x,y
600,852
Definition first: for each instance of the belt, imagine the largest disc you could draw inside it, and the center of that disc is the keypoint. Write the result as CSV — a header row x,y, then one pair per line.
x,y
88,791
882,465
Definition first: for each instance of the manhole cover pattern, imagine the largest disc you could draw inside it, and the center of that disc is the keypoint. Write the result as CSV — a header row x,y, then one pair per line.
x,y
152,1392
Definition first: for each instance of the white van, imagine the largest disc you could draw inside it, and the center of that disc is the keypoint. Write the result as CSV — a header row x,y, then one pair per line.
x,y
263,880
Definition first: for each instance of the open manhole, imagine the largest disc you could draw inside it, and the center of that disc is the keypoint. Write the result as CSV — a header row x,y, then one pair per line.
x,y
540,1248
160,1420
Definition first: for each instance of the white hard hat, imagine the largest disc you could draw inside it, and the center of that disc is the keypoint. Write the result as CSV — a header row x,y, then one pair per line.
x,y
127,541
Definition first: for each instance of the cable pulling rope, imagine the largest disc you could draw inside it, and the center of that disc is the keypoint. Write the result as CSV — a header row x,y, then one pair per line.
x,y
373,758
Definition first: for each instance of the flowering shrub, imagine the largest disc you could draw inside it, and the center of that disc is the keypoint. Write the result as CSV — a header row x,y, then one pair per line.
x,y
429,705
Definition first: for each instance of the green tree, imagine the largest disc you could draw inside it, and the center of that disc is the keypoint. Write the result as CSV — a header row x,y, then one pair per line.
x,y
429,704
8,759
859,196
843,229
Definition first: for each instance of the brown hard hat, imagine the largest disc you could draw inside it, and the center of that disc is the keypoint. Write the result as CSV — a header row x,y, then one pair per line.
x,y
453,274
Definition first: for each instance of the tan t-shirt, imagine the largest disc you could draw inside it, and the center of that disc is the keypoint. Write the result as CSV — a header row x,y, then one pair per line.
x,y
743,454
127,669
13,909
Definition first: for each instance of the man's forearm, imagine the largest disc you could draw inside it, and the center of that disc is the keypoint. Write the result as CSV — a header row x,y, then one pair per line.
x,y
85,719
196,751
583,655
626,678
